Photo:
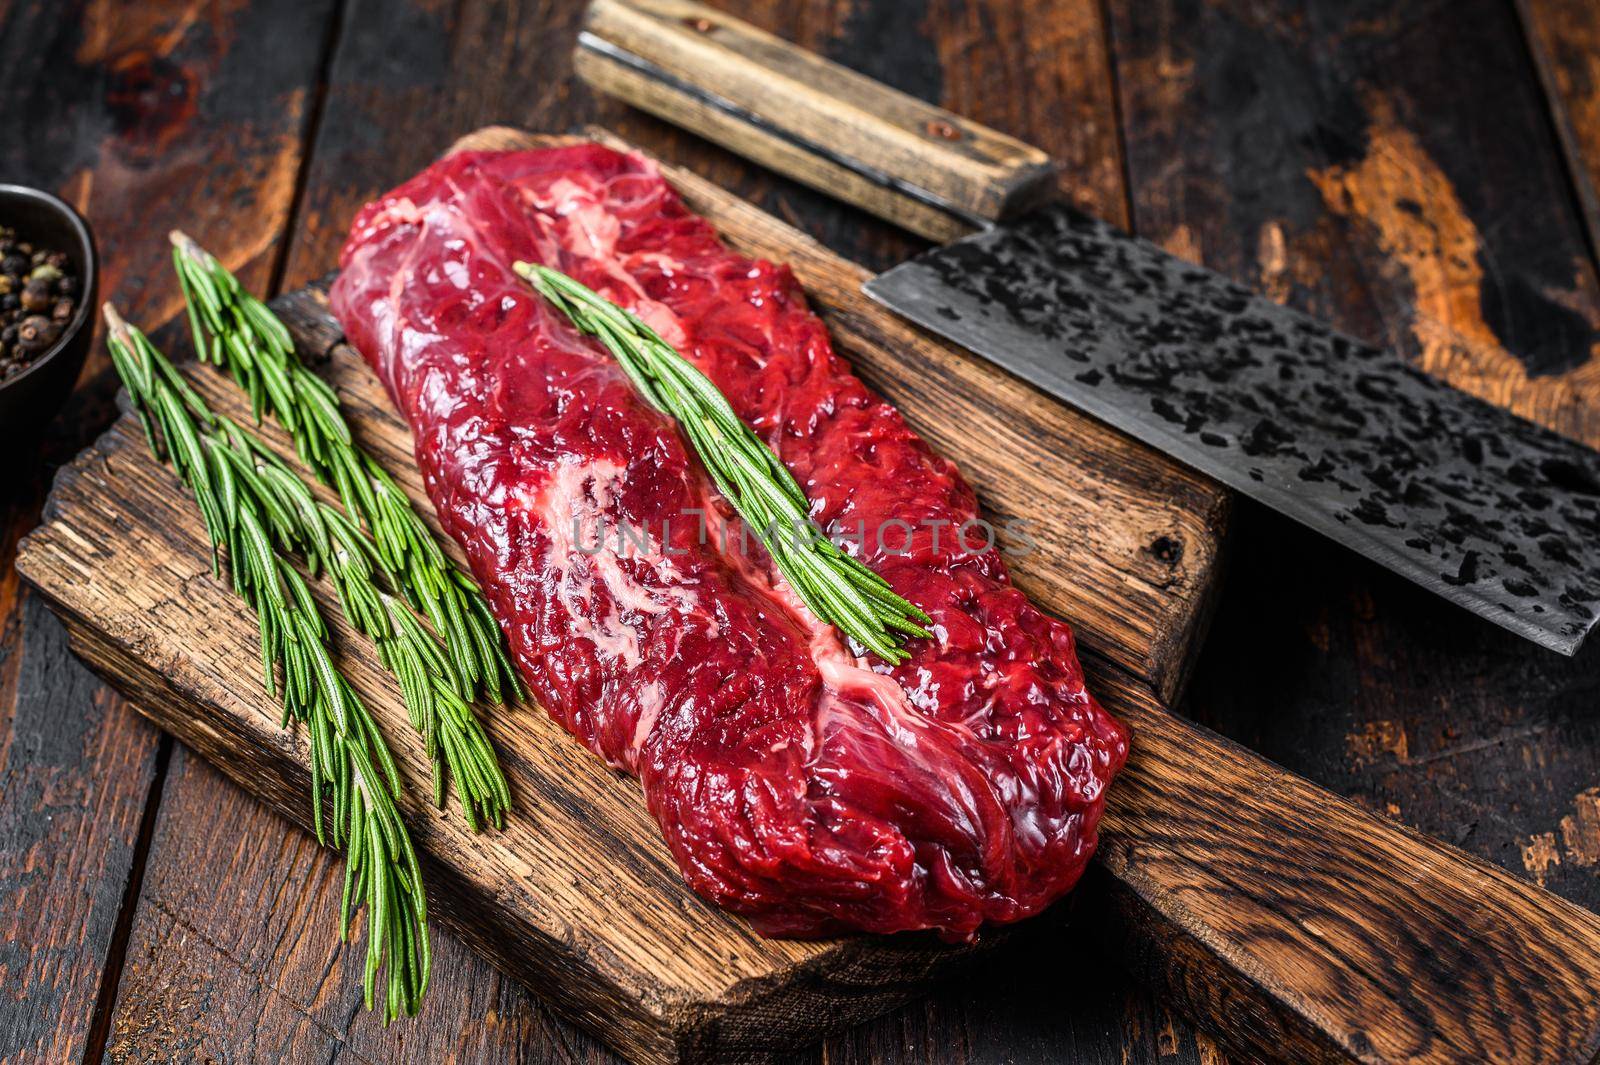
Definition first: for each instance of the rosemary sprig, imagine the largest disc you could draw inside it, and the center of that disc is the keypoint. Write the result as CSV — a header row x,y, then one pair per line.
x,y
350,762
330,542
837,587
234,330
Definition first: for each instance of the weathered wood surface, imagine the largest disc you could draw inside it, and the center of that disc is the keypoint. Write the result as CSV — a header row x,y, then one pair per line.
x,y
1354,119
143,117
1353,679
1564,37
1265,891
77,769
1391,170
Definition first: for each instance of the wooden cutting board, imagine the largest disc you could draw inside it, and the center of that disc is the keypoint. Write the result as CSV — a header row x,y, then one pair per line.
x,y
1284,918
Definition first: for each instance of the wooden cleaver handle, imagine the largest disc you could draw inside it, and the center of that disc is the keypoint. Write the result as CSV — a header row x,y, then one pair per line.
x,y
919,166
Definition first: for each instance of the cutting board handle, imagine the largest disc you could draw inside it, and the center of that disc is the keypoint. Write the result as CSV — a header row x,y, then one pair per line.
x,y
904,160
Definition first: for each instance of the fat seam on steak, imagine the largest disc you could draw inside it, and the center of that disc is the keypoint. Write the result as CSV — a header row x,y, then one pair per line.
x,y
811,790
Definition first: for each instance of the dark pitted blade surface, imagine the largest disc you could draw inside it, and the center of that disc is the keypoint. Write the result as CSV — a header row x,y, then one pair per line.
x,y
1485,508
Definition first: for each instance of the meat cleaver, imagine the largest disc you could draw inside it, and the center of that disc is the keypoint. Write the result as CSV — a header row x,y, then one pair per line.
x,y
1491,511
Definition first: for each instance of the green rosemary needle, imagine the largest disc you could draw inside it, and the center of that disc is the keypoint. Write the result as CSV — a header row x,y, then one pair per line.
x,y
234,330
351,766
837,587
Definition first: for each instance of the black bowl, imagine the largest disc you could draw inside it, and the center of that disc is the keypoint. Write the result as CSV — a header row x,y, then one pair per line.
x,y
29,400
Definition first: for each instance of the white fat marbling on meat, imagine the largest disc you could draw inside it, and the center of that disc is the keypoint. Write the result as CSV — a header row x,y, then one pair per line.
x,y
590,228
573,507
652,700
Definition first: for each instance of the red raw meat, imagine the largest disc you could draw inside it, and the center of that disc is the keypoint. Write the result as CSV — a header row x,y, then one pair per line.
x,y
809,789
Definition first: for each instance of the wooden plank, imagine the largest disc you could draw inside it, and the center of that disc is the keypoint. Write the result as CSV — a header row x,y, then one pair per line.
x,y
1051,998
246,958
1271,895
1564,36
75,770
165,120
410,77
1389,167
120,109
1423,972
1362,683
1040,69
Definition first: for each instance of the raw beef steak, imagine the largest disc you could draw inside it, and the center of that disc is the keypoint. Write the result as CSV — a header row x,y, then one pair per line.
x,y
810,789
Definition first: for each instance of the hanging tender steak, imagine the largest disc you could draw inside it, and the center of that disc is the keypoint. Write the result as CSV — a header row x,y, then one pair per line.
x,y
813,791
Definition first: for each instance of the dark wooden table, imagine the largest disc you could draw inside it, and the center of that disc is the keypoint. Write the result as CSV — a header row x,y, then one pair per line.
x,y
1424,176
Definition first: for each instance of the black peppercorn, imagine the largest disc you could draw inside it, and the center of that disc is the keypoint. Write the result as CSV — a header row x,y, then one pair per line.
x,y
36,333
37,296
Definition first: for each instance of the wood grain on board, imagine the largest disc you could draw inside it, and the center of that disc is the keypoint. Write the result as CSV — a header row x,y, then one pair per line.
x,y
142,117
246,960
246,956
1274,900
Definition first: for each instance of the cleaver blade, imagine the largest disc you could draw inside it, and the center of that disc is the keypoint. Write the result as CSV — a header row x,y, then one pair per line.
x,y
1487,509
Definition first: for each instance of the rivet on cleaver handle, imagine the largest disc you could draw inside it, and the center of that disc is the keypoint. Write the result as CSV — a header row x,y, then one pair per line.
x,y
930,171
1491,511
